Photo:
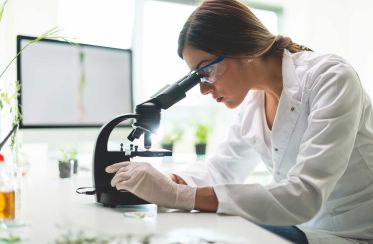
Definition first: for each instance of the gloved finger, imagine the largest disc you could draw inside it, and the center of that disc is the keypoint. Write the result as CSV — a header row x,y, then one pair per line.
x,y
125,168
122,185
118,177
115,167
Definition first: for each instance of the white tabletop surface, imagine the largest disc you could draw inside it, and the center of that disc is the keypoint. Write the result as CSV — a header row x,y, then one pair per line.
x,y
50,208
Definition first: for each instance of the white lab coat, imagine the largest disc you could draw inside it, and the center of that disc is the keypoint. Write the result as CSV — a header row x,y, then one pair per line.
x,y
320,153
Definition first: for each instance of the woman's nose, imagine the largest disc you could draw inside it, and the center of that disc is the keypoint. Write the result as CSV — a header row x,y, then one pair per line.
x,y
205,88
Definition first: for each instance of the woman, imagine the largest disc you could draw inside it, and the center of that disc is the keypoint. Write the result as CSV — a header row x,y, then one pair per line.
x,y
307,116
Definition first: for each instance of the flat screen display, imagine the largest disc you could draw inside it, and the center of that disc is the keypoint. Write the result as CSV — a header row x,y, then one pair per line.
x,y
72,85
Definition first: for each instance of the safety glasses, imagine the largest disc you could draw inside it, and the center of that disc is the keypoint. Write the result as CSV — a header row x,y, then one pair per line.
x,y
212,71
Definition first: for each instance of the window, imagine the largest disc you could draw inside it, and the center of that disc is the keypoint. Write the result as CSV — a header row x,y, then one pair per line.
x,y
269,18
162,24
103,23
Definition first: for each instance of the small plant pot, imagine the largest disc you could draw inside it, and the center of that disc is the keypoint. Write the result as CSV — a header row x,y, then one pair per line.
x,y
65,169
200,149
74,162
169,147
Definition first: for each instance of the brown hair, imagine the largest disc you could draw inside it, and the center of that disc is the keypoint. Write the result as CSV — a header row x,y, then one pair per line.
x,y
229,28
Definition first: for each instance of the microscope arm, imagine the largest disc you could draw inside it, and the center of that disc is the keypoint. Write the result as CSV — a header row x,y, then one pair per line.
x,y
171,94
147,119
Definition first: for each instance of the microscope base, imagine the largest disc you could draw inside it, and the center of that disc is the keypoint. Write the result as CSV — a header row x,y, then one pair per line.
x,y
110,199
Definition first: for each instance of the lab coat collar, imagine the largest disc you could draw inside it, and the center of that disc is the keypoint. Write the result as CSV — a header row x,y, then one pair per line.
x,y
291,83
287,111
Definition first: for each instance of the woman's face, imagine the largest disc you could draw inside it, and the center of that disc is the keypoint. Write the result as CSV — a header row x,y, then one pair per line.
x,y
231,85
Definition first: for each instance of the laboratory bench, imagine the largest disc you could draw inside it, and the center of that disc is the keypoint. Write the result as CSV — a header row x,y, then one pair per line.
x,y
49,210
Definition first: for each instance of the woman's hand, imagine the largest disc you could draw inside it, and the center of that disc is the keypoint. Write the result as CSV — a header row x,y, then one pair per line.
x,y
206,199
146,182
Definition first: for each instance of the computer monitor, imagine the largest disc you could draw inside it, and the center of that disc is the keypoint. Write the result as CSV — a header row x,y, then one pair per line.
x,y
72,85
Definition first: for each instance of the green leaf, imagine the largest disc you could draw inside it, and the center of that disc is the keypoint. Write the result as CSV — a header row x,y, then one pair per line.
x,y
201,133
2,7
10,239
50,33
68,154
5,97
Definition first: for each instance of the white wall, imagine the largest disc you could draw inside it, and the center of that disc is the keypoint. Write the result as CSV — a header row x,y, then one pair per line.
x,y
338,26
28,17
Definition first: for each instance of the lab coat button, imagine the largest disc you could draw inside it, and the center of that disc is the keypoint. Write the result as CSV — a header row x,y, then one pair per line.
x,y
276,149
292,109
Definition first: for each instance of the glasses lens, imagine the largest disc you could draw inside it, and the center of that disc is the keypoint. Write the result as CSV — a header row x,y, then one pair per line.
x,y
206,71
207,74
210,70
212,73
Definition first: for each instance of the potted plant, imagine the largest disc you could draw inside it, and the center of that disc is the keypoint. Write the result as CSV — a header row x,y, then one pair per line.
x,y
64,165
170,138
69,159
201,137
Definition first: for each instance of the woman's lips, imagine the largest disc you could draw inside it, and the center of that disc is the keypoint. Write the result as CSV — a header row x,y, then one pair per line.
x,y
219,99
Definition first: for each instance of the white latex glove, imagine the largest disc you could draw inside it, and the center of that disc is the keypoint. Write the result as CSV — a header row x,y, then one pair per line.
x,y
146,182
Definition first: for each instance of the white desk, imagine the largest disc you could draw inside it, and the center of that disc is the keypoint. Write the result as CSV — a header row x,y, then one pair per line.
x,y
52,208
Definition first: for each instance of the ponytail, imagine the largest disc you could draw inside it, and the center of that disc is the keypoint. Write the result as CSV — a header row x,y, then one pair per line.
x,y
284,42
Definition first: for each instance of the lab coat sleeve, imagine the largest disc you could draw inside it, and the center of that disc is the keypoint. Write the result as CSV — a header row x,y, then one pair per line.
x,y
335,106
233,161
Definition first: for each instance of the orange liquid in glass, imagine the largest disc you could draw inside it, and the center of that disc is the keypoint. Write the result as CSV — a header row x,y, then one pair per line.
x,y
7,205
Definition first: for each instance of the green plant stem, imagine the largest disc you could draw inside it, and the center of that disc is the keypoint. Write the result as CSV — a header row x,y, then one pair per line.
x,y
17,115
49,33
52,33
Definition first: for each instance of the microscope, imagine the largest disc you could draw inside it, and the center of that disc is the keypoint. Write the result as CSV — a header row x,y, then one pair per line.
x,y
146,121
